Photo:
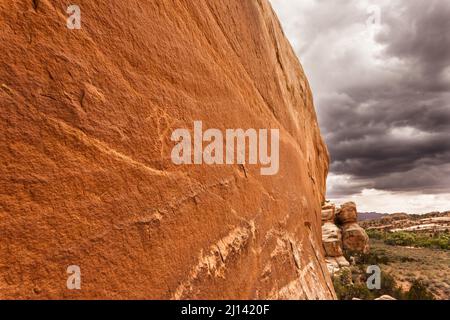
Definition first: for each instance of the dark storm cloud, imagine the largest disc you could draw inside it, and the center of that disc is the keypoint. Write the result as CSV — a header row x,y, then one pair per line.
x,y
386,121
420,35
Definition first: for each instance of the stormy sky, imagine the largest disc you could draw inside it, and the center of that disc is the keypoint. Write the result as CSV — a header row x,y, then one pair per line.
x,y
380,74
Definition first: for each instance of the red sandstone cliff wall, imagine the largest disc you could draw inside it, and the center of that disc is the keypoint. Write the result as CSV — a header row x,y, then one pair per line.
x,y
85,171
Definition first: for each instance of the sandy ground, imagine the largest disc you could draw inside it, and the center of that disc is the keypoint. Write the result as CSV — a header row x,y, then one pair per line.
x,y
406,264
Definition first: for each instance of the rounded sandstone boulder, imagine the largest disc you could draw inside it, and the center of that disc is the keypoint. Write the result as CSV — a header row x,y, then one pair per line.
x,y
354,238
347,213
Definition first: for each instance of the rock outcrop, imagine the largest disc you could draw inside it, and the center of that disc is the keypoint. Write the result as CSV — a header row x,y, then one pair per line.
x,y
341,233
332,239
354,238
347,213
86,177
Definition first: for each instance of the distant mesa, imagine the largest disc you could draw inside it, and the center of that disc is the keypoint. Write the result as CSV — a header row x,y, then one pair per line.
x,y
429,222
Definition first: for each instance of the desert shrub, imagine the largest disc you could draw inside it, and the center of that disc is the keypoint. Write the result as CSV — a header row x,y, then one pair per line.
x,y
436,241
376,234
419,291
347,289
400,239
441,241
407,259
371,258
389,287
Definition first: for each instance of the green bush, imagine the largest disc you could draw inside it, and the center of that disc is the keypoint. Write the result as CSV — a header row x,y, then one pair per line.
x,y
435,241
376,234
400,239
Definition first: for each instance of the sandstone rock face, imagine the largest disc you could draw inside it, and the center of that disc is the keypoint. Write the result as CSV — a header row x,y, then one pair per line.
x,y
86,177
355,238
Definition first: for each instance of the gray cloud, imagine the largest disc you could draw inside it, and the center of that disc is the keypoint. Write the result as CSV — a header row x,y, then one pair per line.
x,y
383,102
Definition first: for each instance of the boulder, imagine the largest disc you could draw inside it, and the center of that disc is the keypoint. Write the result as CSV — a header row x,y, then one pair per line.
x,y
332,240
327,215
354,238
342,262
328,205
347,213
332,265
385,297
